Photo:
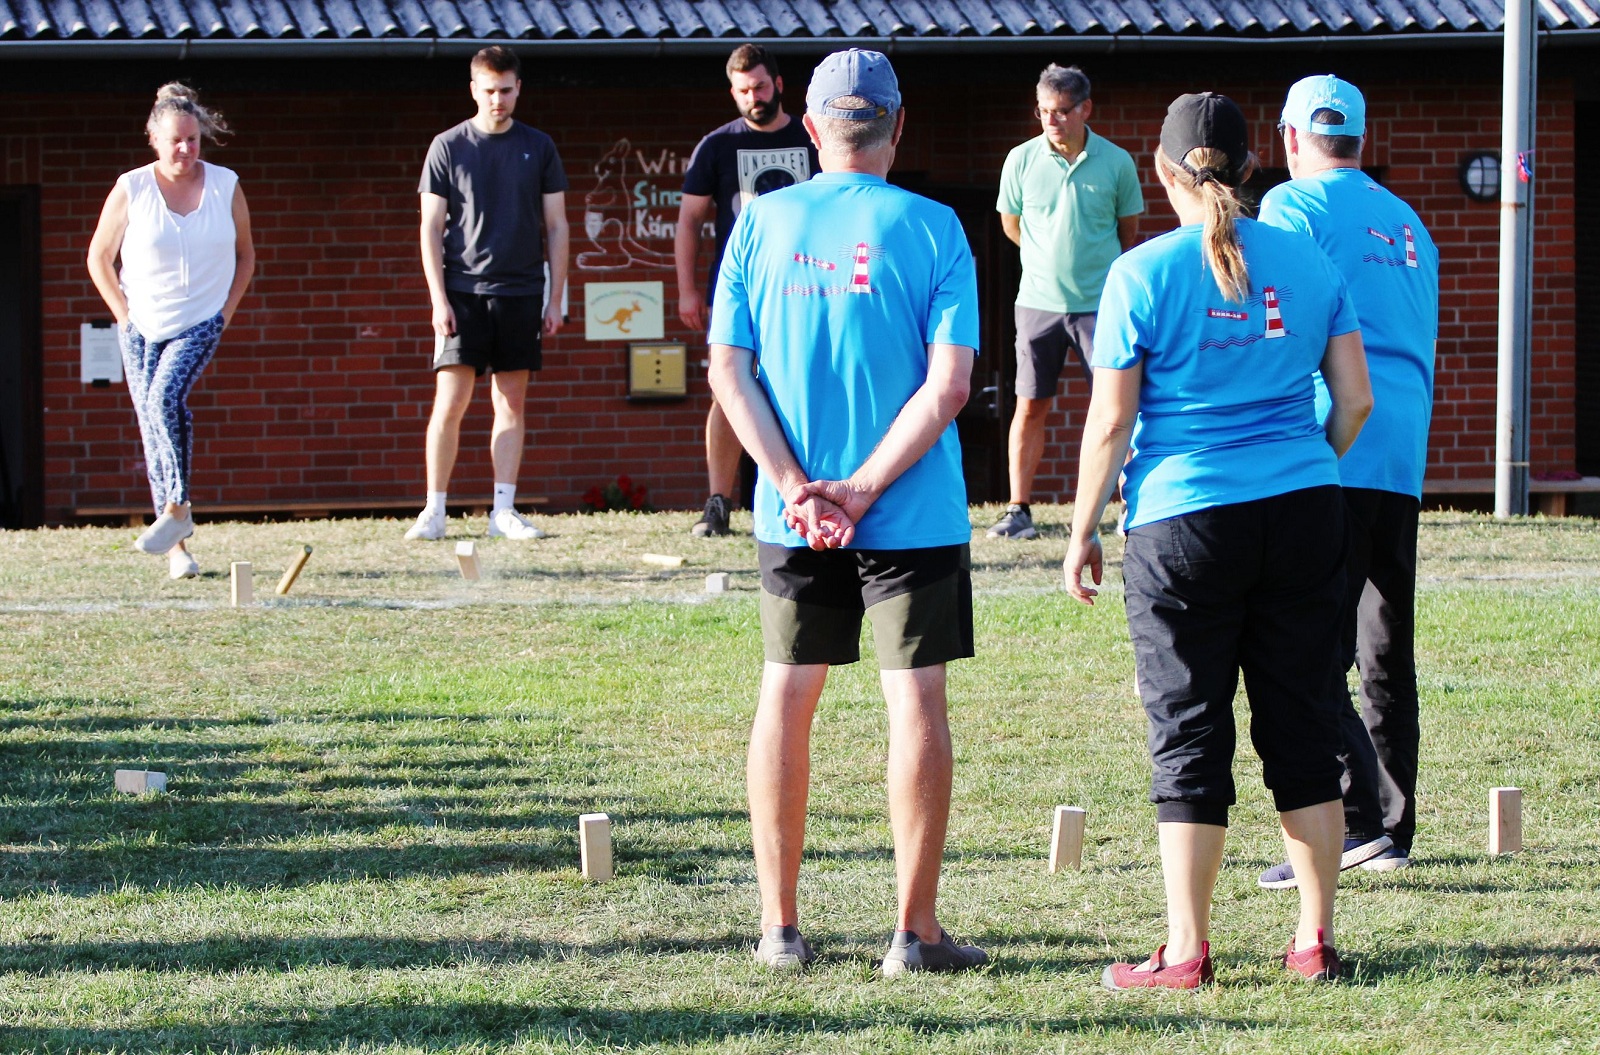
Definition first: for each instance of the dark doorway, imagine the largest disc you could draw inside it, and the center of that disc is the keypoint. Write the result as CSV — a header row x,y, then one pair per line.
x,y
984,422
1586,241
21,359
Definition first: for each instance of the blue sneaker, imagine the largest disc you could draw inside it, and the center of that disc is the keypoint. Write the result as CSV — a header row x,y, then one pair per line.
x,y
1391,860
1356,852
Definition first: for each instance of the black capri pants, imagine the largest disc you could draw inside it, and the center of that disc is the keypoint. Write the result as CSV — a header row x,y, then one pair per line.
x,y
1254,587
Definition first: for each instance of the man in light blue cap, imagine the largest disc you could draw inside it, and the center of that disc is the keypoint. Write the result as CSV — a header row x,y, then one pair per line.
x,y
1392,268
843,330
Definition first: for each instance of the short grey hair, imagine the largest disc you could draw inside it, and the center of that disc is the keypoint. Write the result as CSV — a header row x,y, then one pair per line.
x,y
841,135
1340,148
1064,80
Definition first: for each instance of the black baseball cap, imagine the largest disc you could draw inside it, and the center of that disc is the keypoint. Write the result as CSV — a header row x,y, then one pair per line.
x,y
1206,119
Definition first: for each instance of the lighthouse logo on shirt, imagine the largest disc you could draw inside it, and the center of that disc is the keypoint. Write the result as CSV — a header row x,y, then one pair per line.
x,y
858,257
1397,235
1245,332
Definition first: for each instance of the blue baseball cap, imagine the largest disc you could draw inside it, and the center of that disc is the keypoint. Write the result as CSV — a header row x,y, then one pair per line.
x,y
1326,92
864,74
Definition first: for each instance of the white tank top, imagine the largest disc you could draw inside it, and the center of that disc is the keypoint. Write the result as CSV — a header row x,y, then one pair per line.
x,y
176,270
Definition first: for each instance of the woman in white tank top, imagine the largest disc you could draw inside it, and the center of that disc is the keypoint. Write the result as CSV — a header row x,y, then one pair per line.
x,y
182,230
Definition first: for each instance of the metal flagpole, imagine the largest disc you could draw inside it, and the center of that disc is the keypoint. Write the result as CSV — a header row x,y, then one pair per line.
x,y
1519,94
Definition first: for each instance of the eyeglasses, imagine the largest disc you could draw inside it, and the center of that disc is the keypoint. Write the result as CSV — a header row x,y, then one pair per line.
x,y
1055,115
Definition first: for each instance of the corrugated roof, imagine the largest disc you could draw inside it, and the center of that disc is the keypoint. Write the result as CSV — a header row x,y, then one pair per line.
x,y
666,20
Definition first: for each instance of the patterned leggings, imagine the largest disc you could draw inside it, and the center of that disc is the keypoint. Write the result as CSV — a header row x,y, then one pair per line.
x,y
160,375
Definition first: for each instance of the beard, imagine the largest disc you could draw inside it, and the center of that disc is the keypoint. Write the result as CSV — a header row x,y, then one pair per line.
x,y
761,112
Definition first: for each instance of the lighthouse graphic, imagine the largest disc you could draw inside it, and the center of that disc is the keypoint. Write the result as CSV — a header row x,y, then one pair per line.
x,y
1411,246
1269,300
859,281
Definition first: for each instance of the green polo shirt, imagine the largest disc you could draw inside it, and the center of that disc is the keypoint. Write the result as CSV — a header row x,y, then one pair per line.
x,y
1069,219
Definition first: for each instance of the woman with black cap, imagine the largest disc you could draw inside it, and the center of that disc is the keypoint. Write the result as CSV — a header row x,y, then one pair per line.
x,y
1206,344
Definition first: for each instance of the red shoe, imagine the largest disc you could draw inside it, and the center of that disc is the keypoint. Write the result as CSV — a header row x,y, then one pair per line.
x,y
1191,974
1320,963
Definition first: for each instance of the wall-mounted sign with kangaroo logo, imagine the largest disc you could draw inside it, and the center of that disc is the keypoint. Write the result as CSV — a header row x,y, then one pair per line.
x,y
622,311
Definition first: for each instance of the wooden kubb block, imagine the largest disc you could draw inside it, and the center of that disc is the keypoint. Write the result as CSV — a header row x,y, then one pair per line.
x,y
140,781
244,589
1066,841
1505,820
719,582
594,846
467,557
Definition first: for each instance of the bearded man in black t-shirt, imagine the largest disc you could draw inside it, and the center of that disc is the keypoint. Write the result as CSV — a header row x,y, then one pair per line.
x,y
762,150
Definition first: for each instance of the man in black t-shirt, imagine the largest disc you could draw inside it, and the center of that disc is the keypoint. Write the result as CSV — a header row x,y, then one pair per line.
x,y
493,216
762,150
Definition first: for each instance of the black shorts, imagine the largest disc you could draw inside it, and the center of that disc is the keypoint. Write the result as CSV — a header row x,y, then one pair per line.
x,y
1253,588
919,601
493,333
1043,340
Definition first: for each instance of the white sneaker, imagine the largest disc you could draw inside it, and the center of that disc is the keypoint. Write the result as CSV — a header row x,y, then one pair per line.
x,y
181,564
165,533
429,526
508,523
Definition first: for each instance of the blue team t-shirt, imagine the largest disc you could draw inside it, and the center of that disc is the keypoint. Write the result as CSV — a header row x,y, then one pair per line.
x,y
1392,267
1226,406
839,285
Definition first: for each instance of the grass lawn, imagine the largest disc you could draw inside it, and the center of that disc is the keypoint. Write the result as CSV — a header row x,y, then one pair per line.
x,y
370,838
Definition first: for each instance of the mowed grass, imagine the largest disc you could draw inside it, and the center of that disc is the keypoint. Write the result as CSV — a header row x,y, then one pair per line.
x,y
370,838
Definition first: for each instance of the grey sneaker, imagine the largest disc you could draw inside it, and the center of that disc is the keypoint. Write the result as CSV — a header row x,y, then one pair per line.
x,y
1356,852
783,949
165,533
909,953
1016,522
714,521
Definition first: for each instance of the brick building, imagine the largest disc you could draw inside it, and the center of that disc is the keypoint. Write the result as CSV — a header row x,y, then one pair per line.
x,y
320,392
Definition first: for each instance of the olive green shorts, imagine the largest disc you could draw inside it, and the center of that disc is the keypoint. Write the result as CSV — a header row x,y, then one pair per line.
x,y
919,602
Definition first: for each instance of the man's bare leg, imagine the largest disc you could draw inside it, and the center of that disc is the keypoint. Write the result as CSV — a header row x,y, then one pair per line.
x,y
452,392
778,776
722,453
920,767
509,392
1025,446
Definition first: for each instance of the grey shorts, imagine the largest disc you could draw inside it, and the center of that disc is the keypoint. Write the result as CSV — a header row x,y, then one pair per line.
x,y
1043,339
919,601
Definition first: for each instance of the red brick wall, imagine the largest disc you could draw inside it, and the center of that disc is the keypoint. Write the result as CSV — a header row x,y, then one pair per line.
x,y
321,388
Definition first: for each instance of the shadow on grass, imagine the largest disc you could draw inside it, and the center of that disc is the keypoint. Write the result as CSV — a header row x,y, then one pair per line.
x,y
434,1026
1531,964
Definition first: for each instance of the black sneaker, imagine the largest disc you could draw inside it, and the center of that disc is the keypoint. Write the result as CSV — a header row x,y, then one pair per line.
x,y
783,949
1016,522
909,953
714,521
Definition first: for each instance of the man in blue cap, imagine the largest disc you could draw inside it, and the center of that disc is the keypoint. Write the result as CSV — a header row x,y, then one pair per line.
x,y
842,335
1392,267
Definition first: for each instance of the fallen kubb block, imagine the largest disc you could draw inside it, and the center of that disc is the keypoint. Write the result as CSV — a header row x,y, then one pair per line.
x,y
594,846
1066,842
1505,820
718,582
244,587
467,557
140,781
662,560
294,571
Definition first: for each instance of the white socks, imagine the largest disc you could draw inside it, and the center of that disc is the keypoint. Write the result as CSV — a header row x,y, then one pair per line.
x,y
505,497
435,504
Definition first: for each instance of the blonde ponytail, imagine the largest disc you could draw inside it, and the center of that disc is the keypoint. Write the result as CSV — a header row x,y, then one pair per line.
x,y
1205,172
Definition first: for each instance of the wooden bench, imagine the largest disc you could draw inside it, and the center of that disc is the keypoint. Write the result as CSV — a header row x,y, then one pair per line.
x,y
1550,497
300,509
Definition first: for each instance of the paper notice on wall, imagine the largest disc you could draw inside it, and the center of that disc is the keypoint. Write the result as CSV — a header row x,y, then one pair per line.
x,y
102,359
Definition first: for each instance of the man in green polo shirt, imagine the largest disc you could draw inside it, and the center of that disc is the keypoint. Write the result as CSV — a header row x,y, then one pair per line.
x,y
1071,200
